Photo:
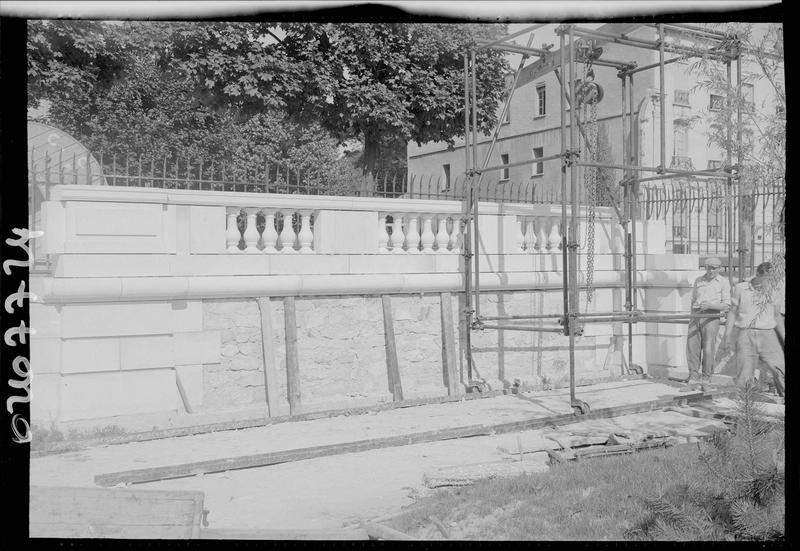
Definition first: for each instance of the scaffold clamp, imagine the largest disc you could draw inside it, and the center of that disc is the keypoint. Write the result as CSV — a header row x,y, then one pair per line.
x,y
570,157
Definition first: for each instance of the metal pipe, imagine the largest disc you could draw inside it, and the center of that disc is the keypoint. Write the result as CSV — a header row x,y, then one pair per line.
x,y
510,36
634,211
728,196
532,316
523,328
696,30
572,238
520,163
476,199
564,100
647,44
662,97
467,246
654,65
739,160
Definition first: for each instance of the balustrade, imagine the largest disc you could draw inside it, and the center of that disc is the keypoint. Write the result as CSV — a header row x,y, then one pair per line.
x,y
405,236
538,234
269,240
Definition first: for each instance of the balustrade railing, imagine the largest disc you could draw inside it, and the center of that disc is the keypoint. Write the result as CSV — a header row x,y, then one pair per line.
x,y
415,233
538,235
265,230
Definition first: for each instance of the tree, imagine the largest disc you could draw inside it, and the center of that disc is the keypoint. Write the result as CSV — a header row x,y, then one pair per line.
x,y
385,83
763,127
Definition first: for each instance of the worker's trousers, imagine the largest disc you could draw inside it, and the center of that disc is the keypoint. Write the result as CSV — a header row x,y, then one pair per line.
x,y
753,345
702,344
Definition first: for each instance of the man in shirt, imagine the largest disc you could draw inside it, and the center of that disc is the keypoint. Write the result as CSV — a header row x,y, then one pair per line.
x,y
755,325
711,294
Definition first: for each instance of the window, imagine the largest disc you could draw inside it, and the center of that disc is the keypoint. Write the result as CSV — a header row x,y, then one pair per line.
x,y
679,232
541,101
714,232
680,248
681,135
748,98
504,161
446,177
714,165
538,168
715,102
681,97
507,118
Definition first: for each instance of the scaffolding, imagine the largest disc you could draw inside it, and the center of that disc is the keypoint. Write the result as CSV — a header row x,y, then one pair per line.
x,y
725,48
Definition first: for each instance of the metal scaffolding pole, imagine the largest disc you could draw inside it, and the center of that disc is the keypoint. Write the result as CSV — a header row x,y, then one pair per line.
x,y
564,99
740,184
634,196
728,188
467,245
476,199
572,244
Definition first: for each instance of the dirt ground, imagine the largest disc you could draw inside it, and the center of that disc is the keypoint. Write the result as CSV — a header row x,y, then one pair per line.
x,y
335,491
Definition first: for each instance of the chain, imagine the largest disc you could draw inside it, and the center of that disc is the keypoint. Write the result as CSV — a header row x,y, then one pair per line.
x,y
590,183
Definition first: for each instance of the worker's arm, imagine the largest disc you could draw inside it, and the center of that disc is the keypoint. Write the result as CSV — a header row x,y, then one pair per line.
x,y
780,328
730,320
724,302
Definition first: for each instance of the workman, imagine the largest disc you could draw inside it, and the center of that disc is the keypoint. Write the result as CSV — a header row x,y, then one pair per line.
x,y
755,325
711,294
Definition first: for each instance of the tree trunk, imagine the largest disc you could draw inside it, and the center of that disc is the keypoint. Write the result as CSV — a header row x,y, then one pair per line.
x,y
370,158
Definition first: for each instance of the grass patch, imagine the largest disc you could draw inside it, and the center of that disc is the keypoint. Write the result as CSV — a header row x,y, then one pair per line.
x,y
595,499
52,438
728,489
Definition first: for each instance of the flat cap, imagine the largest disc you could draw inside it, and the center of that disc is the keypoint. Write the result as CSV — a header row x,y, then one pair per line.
x,y
713,261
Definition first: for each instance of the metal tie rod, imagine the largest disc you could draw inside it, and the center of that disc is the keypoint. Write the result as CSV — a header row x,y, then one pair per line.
x,y
523,328
510,36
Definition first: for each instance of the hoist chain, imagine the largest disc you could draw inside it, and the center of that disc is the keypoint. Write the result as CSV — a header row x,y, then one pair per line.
x,y
590,174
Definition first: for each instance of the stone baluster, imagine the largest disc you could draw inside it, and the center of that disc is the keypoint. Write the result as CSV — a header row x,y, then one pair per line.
x,y
287,235
428,238
232,234
270,235
455,235
554,240
383,235
541,236
397,234
305,236
519,238
412,234
251,232
442,237
530,235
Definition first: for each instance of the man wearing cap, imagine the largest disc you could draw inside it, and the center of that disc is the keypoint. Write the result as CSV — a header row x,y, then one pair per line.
x,y
755,325
711,295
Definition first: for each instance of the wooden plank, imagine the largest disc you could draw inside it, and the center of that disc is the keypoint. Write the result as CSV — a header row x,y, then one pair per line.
x,y
392,368
381,532
268,350
182,391
449,345
282,534
274,458
292,367
119,513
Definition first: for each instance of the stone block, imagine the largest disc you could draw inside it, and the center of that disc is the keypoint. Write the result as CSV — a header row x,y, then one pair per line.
x,y
111,265
125,318
192,380
106,227
45,355
283,264
187,316
447,262
393,263
201,347
54,219
669,262
219,264
207,229
93,395
152,351
86,355
651,236
346,232
45,399
45,320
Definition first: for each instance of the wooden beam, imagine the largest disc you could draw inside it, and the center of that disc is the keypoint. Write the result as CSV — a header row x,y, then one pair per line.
x,y
268,350
392,369
182,391
274,458
450,370
292,367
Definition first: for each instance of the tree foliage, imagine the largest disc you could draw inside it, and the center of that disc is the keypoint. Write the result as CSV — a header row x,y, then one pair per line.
x,y
200,88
